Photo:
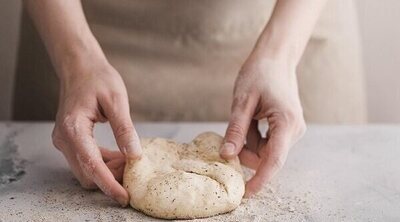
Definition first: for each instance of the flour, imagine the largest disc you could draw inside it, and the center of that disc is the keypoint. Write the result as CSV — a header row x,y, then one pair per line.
x,y
11,165
67,201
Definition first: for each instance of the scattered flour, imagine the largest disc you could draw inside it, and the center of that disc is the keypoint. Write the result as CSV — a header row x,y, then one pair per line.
x,y
67,201
11,165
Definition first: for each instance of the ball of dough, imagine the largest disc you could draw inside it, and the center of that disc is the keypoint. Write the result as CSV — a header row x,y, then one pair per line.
x,y
183,181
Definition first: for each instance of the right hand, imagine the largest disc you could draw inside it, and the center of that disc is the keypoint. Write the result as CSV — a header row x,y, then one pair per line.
x,y
90,93
264,89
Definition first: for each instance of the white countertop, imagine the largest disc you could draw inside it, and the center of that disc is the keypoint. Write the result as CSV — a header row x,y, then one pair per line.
x,y
335,173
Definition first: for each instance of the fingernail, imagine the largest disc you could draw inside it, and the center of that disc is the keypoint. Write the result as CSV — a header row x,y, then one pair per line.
x,y
227,149
123,201
134,150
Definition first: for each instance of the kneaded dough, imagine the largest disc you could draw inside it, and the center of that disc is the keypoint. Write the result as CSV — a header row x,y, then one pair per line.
x,y
183,181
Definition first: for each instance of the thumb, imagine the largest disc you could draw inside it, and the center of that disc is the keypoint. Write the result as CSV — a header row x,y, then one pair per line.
x,y
118,114
243,108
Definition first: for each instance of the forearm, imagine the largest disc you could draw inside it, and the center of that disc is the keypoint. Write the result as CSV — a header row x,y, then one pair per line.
x,y
64,31
288,30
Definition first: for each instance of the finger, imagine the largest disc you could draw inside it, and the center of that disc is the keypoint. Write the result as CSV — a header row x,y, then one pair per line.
x,y
253,138
118,174
249,158
116,109
117,167
94,167
116,163
110,154
78,131
273,156
243,109
74,129
84,181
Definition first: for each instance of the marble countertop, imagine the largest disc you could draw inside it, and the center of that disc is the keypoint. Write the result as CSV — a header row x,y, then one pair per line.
x,y
335,173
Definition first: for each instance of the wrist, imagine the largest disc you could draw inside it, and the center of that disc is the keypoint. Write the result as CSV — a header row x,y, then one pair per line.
x,y
275,44
69,58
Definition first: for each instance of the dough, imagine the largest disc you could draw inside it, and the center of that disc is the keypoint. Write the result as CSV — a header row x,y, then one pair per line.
x,y
183,181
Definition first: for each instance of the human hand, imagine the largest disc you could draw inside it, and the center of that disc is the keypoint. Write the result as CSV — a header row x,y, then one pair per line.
x,y
266,89
90,93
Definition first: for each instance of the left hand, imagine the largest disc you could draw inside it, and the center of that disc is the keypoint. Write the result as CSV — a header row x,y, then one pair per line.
x,y
115,161
265,89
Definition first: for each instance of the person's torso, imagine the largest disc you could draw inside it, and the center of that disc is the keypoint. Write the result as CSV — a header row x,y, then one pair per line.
x,y
178,58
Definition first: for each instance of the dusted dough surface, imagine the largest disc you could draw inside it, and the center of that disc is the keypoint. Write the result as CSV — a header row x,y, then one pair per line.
x,y
182,181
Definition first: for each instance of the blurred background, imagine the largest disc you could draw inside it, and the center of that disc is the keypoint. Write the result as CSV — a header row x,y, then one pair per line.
x,y
380,35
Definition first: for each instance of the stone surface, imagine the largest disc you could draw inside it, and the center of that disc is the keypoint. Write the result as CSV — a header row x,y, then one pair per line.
x,y
336,173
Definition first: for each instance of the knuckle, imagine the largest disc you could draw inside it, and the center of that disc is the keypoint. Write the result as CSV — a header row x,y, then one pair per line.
x,y
291,116
124,130
292,120
235,131
116,96
114,100
297,123
70,125
281,121
278,161
241,101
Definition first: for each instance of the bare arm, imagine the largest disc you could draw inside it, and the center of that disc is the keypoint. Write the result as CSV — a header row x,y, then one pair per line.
x,y
289,29
91,91
266,88
64,31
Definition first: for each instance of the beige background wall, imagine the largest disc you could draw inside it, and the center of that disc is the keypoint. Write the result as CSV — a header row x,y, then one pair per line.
x,y
380,33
